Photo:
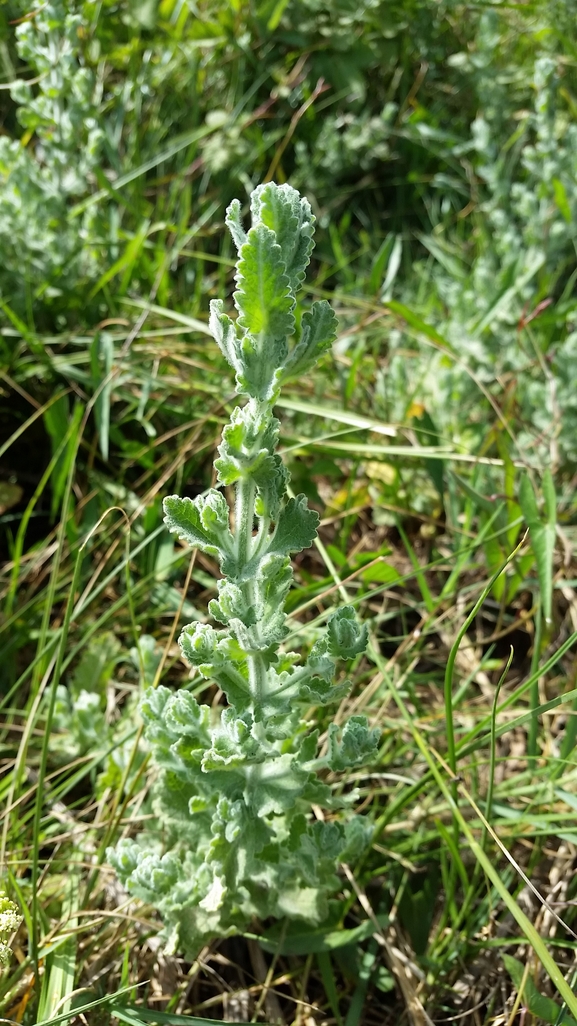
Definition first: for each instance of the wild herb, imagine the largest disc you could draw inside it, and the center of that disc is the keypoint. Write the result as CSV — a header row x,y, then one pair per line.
x,y
236,789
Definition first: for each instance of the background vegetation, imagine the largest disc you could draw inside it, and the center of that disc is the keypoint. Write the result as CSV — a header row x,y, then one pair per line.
x,y
437,143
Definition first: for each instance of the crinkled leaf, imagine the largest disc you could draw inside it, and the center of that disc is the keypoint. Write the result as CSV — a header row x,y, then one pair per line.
x,y
231,604
149,876
218,657
282,209
96,665
296,527
260,468
308,747
345,635
271,478
318,332
357,745
175,795
151,707
318,849
247,451
175,724
274,578
233,222
318,692
319,663
183,715
261,371
276,787
223,331
263,637
247,447
202,522
263,297
359,832
233,744
316,792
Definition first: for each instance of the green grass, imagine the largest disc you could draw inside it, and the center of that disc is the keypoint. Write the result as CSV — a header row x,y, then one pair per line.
x,y
441,429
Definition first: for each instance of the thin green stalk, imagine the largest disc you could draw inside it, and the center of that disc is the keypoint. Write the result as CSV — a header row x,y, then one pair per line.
x,y
493,746
470,891
31,419
44,761
245,517
492,872
448,696
532,735
428,599
82,605
471,743
450,669
21,533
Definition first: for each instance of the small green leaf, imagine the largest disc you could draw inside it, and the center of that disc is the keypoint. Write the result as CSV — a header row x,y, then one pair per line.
x,y
345,636
274,577
247,451
203,522
296,527
318,332
539,1005
357,745
318,691
233,222
231,605
380,573
218,656
223,331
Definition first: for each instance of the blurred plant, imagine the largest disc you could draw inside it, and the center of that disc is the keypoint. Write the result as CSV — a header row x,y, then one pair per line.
x,y
503,313
43,249
10,920
80,713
